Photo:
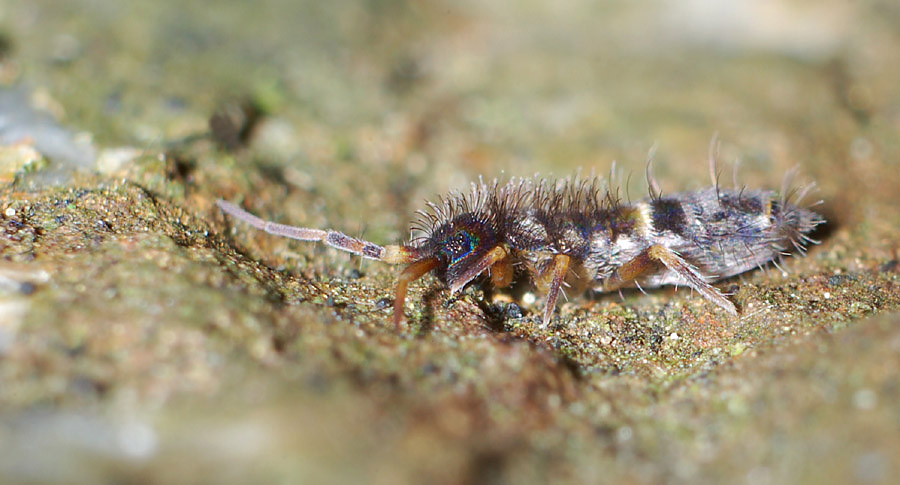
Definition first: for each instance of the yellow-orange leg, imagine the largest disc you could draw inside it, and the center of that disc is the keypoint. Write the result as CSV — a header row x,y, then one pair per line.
x,y
410,274
492,257
502,273
650,259
691,276
553,277
632,270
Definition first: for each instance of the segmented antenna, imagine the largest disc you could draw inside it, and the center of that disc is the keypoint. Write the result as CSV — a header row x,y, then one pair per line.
x,y
335,239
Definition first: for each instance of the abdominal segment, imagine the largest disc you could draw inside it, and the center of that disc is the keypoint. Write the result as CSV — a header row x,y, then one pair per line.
x,y
689,239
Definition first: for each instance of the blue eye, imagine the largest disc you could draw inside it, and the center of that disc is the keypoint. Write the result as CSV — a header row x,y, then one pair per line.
x,y
460,245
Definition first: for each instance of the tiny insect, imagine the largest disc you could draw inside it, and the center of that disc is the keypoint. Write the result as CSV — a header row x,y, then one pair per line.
x,y
577,232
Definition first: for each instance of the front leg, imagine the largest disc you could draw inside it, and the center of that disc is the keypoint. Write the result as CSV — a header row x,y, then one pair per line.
x,y
649,260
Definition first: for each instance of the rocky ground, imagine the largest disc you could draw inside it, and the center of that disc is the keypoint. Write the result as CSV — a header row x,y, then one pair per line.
x,y
146,338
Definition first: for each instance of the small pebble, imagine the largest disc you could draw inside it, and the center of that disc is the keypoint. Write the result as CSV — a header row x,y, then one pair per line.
x,y
26,288
513,311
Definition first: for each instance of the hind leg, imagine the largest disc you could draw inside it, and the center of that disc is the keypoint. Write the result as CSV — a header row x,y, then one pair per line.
x,y
649,261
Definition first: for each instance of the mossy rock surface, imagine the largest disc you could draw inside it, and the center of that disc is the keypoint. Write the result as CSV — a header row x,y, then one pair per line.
x,y
146,337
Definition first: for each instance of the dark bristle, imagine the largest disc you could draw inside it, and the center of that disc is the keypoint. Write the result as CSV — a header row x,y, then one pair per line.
x,y
794,221
495,203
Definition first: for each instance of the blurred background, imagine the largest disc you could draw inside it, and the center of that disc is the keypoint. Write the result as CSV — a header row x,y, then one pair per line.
x,y
143,338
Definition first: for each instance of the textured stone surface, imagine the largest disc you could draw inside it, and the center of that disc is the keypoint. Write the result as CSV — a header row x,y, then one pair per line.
x,y
144,337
